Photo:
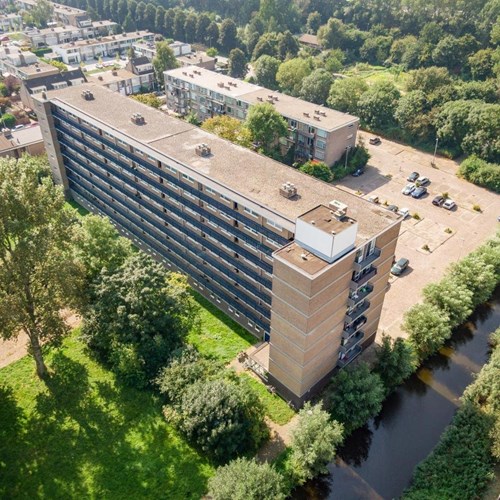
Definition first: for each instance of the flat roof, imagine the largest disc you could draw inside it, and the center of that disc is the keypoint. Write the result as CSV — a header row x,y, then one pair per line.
x,y
20,138
291,107
39,68
112,76
323,218
197,57
212,81
107,39
238,169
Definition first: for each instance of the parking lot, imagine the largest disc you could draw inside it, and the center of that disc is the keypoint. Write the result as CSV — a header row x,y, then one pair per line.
x,y
437,237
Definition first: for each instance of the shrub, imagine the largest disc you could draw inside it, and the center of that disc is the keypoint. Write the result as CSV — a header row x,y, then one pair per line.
x,y
356,158
396,361
314,442
223,417
317,169
428,327
481,172
244,479
354,396
8,120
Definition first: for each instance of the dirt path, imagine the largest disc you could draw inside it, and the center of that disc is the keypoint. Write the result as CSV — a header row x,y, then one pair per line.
x,y
279,440
14,349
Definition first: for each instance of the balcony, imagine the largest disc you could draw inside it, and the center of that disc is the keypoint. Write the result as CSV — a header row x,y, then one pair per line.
x,y
356,313
367,261
351,341
350,356
364,278
354,327
358,295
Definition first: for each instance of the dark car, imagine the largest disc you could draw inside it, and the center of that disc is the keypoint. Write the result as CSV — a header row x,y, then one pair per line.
x,y
393,208
398,268
419,192
438,201
375,141
413,177
358,172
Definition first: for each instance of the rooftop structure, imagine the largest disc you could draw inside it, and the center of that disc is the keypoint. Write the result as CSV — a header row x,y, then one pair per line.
x,y
25,140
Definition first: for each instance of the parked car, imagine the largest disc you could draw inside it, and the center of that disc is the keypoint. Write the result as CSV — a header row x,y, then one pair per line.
x,y
358,172
413,177
404,212
422,181
398,268
449,204
375,141
373,198
393,208
408,189
438,201
419,192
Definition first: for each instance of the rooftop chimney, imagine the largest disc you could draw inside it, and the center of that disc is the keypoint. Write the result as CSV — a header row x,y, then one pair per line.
x,y
203,150
288,190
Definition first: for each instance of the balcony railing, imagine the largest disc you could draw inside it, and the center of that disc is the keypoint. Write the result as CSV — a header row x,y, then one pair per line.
x,y
350,356
356,283
351,341
354,327
367,261
354,315
359,295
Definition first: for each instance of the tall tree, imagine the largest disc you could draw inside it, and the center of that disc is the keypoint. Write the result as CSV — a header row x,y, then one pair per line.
x,y
190,27
180,25
345,94
160,20
377,105
229,128
41,13
202,25
228,36
292,73
266,125
316,87
169,23
212,36
39,275
265,69
164,60
237,64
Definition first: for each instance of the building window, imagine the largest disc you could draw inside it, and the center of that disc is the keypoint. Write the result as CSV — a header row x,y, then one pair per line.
x,y
188,178
225,198
253,213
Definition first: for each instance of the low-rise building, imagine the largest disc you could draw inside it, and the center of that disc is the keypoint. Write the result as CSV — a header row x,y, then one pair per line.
x,y
298,262
23,65
63,14
199,59
84,50
10,22
310,41
315,132
15,143
124,81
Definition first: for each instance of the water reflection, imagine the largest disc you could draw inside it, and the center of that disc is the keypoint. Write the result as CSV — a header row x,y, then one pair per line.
x,y
377,461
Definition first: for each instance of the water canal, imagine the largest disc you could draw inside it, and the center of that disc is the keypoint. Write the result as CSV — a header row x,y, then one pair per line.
x,y
377,461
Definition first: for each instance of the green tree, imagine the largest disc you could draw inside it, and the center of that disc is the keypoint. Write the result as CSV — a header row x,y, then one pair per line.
x,y
4,91
179,25
480,172
212,34
377,105
411,113
314,442
292,73
42,13
229,128
202,25
237,64
223,417
7,120
317,169
159,19
396,361
375,49
163,60
316,87
427,80
428,328
266,125
228,36
140,315
265,69
313,22
148,99
190,27
129,24
481,64
267,44
169,23
451,52
452,297
345,94
244,479
354,396
288,45
39,275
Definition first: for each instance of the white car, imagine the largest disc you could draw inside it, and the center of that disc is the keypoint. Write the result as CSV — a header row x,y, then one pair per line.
x,y
408,189
404,212
449,204
422,181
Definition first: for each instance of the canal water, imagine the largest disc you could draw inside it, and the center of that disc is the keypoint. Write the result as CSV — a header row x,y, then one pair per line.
x,y
377,461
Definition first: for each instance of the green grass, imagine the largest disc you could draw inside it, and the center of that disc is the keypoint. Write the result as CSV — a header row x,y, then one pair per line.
x,y
373,74
82,435
276,408
82,212
218,336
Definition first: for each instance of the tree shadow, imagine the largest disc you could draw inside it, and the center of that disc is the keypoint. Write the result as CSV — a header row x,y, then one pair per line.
x,y
95,438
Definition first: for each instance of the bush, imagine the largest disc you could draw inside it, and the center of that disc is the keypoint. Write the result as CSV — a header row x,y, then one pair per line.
x,y
356,158
223,417
8,120
354,396
314,443
244,479
396,361
317,169
481,173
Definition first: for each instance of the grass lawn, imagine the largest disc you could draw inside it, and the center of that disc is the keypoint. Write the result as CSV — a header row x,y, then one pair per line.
x,y
374,74
82,435
276,408
81,210
218,336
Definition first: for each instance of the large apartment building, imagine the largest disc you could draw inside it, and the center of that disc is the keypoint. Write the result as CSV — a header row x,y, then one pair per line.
x,y
315,132
299,263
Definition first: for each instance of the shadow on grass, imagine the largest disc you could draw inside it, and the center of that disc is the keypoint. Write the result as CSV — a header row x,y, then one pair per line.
x,y
82,212
93,438
230,323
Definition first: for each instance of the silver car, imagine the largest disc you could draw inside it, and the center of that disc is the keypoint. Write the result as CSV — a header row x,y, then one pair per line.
x,y
408,189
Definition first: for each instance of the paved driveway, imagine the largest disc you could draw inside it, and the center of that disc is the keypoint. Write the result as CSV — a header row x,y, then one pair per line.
x,y
385,177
